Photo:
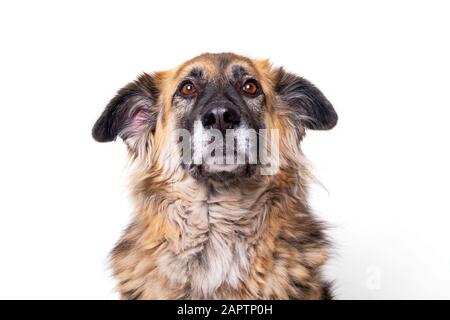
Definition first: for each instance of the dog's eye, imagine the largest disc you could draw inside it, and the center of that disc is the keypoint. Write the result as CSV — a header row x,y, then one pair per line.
x,y
188,88
250,87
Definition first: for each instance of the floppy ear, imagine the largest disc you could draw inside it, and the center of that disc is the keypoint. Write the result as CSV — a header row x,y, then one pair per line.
x,y
314,110
130,112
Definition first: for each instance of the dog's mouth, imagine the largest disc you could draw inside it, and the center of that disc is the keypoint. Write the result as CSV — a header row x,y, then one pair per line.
x,y
222,172
222,162
225,156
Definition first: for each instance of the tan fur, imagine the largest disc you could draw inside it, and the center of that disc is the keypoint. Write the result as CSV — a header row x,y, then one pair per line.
x,y
196,240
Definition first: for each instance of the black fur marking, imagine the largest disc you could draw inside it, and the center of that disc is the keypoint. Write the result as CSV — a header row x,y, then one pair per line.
x,y
196,73
301,95
135,98
327,291
239,72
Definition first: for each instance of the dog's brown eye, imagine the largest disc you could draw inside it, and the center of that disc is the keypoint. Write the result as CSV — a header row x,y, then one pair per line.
x,y
188,88
250,87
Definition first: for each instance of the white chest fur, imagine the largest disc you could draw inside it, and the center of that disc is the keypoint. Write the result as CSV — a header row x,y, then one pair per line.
x,y
216,245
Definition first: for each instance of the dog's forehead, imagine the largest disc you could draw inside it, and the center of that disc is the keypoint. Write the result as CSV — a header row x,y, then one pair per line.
x,y
217,67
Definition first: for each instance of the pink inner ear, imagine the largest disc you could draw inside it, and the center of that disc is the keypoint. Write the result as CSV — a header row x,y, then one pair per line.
x,y
140,119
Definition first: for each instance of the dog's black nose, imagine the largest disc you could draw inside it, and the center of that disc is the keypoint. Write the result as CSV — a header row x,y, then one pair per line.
x,y
221,118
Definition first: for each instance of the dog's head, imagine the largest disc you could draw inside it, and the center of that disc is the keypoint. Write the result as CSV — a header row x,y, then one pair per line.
x,y
189,118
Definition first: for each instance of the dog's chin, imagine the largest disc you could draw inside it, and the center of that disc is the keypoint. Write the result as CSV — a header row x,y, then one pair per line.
x,y
222,173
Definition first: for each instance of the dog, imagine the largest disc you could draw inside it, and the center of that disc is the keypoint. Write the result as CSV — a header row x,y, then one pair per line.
x,y
214,230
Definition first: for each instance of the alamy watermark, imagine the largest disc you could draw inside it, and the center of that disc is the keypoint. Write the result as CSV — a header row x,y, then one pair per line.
x,y
236,147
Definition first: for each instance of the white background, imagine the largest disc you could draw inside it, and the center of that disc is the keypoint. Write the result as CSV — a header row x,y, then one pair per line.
x,y
384,65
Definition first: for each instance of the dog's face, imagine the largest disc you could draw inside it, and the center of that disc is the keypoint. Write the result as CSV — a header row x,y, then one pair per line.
x,y
211,100
220,94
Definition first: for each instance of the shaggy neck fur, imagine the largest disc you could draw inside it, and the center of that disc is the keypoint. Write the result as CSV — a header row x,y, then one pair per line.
x,y
193,239
220,226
